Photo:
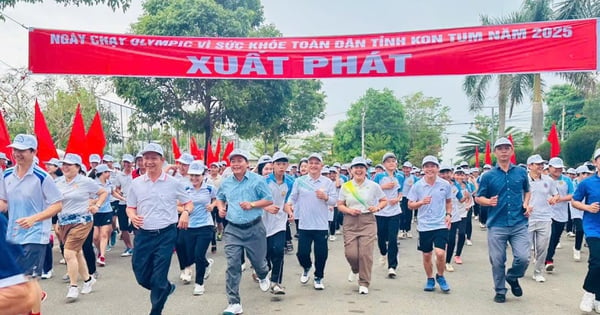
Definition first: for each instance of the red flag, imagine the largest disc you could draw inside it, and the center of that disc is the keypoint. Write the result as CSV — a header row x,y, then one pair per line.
x,y
176,151
210,156
46,149
513,158
488,153
554,141
5,138
95,139
477,156
76,142
218,150
194,150
228,150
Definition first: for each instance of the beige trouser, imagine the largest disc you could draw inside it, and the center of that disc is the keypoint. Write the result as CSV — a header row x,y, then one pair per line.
x,y
359,240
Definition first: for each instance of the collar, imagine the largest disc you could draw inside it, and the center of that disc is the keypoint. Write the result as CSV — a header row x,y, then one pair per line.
x,y
161,177
245,177
29,171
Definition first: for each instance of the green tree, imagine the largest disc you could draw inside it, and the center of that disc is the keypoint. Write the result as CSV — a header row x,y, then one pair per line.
x,y
565,97
384,115
320,143
113,4
591,109
580,145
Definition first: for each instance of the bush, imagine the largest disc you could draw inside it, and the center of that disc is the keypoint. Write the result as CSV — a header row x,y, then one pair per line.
x,y
523,152
580,145
544,151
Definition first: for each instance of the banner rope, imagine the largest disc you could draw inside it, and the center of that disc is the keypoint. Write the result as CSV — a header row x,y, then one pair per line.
x,y
2,14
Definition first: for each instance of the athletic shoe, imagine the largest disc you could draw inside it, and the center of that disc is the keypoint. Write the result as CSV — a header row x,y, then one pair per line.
x,y
243,267
277,289
558,246
319,284
549,267
108,248
233,309
208,268
468,243
383,260
72,294
442,283
571,234
500,298
332,238
289,247
587,302
409,235
128,252
305,276
47,275
458,260
429,285
597,306
186,275
449,268
402,235
391,273
576,256
338,232
213,249
198,289
113,238
65,278
352,276
539,278
255,277
62,261
87,285
363,290
101,261
515,288
482,226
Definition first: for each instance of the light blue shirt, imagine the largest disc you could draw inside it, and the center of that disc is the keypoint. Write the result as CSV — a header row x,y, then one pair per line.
x,y
560,210
27,196
252,187
76,197
408,183
432,216
313,212
201,197
106,208
156,201
275,223
383,178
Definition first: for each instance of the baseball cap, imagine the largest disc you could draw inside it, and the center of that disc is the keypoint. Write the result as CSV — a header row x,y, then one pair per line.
x,y
102,168
217,164
280,156
459,169
430,159
583,169
152,147
474,169
53,161
72,158
3,156
369,161
556,162
445,167
407,164
379,166
264,159
24,142
239,152
197,168
502,141
463,164
333,170
185,158
344,167
358,161
337,164
108,158
535,159
95,158
596,154
127,158
571,171
324,171
117,166
371,170
387,156
316,156
487,167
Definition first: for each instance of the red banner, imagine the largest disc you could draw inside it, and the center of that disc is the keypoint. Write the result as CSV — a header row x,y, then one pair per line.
x,y
552,46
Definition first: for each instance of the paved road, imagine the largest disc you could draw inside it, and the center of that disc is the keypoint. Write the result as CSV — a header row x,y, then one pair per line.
x,y
472,292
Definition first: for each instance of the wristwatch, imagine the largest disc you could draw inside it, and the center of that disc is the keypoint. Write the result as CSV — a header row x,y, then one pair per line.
x,y
252,205
448,214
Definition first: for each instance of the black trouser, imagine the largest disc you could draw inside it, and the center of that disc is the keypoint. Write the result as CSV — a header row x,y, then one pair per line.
x,y
387,238
214,213
578,228
88,252
483,214
288,232
456,228
569,226
151,260
275,253
305,241
557,229
469,224
406,216
592,279
195,242
476,210
48,259
182,251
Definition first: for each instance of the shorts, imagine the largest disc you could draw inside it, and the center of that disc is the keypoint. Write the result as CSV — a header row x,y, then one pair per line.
x,y
115,206
74,235
218,217
54,220
429,239
32,260
102,219
123,218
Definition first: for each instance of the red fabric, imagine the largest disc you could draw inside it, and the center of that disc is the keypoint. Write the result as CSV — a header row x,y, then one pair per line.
x,y
548,46
76,142
210,155
95,139
46,149
554,141
477,156
195,150
228,149
218,150
5,138
513,158
176,151
488,153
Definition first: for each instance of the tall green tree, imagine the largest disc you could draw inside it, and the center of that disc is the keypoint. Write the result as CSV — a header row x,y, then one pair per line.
x,y
564,97
113,4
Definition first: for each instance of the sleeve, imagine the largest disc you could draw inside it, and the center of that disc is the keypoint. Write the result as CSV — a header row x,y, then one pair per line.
x,y
525,182
377,178
116,182
221,193
213,192
132,196
449,192
553,188
91,186
483,187
182,195
400,179
50,191
2,188
379,193
413,194
580,192
262,190
332,193
570,189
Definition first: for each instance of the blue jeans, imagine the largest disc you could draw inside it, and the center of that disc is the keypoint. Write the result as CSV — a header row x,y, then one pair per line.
x,y
498,238
151,260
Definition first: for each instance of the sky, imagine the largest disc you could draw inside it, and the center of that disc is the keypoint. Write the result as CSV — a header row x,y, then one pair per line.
x,y
309,18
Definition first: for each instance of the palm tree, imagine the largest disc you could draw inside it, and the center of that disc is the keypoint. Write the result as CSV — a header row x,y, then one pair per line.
x,y
479,137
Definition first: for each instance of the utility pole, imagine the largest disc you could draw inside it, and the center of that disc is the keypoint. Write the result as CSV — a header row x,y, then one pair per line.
x,y
362,132
562,128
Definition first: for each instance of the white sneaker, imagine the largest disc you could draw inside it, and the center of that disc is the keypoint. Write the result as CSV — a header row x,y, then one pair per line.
x,y
449,268
332,238
243,268
233,309
409,235
305,276
597,306
352,276
72,294
403,235
383,260
391,273
363,290
558,246
186,275
571,234
468,243
62,261
587,302
198,289
277,289
208,268
338,232
539,278
576,255
47,275
319,284
87,286
264,284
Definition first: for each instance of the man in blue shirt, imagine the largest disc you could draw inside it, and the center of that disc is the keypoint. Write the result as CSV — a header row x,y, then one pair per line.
x,y
246,194
587,199
505,190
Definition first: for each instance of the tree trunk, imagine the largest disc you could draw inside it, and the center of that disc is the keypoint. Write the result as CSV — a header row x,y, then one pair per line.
x,y
275,141
503,86
537,112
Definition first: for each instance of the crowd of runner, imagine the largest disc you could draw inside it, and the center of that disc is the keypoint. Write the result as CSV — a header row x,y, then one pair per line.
x,y
256,213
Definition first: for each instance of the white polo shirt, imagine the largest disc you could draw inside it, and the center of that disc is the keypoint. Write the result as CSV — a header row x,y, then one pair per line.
x,y
369,193
432,216
541,190
123,181
156,201
76,197
312,212
27,196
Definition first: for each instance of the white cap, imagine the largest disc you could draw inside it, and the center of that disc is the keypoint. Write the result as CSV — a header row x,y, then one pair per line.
x,y
153,147
325,171
502,141
596,154
95,158
583,169
24,142
474,169
387,156
281,156
239,152
358,161
445,167
108,158
265,159
53,161
535,159
430,159
407,164
571,171
3,156
72,158
487,166
556,162
185,158
316,156
102,168
127,158
197,168
464,164
337,164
